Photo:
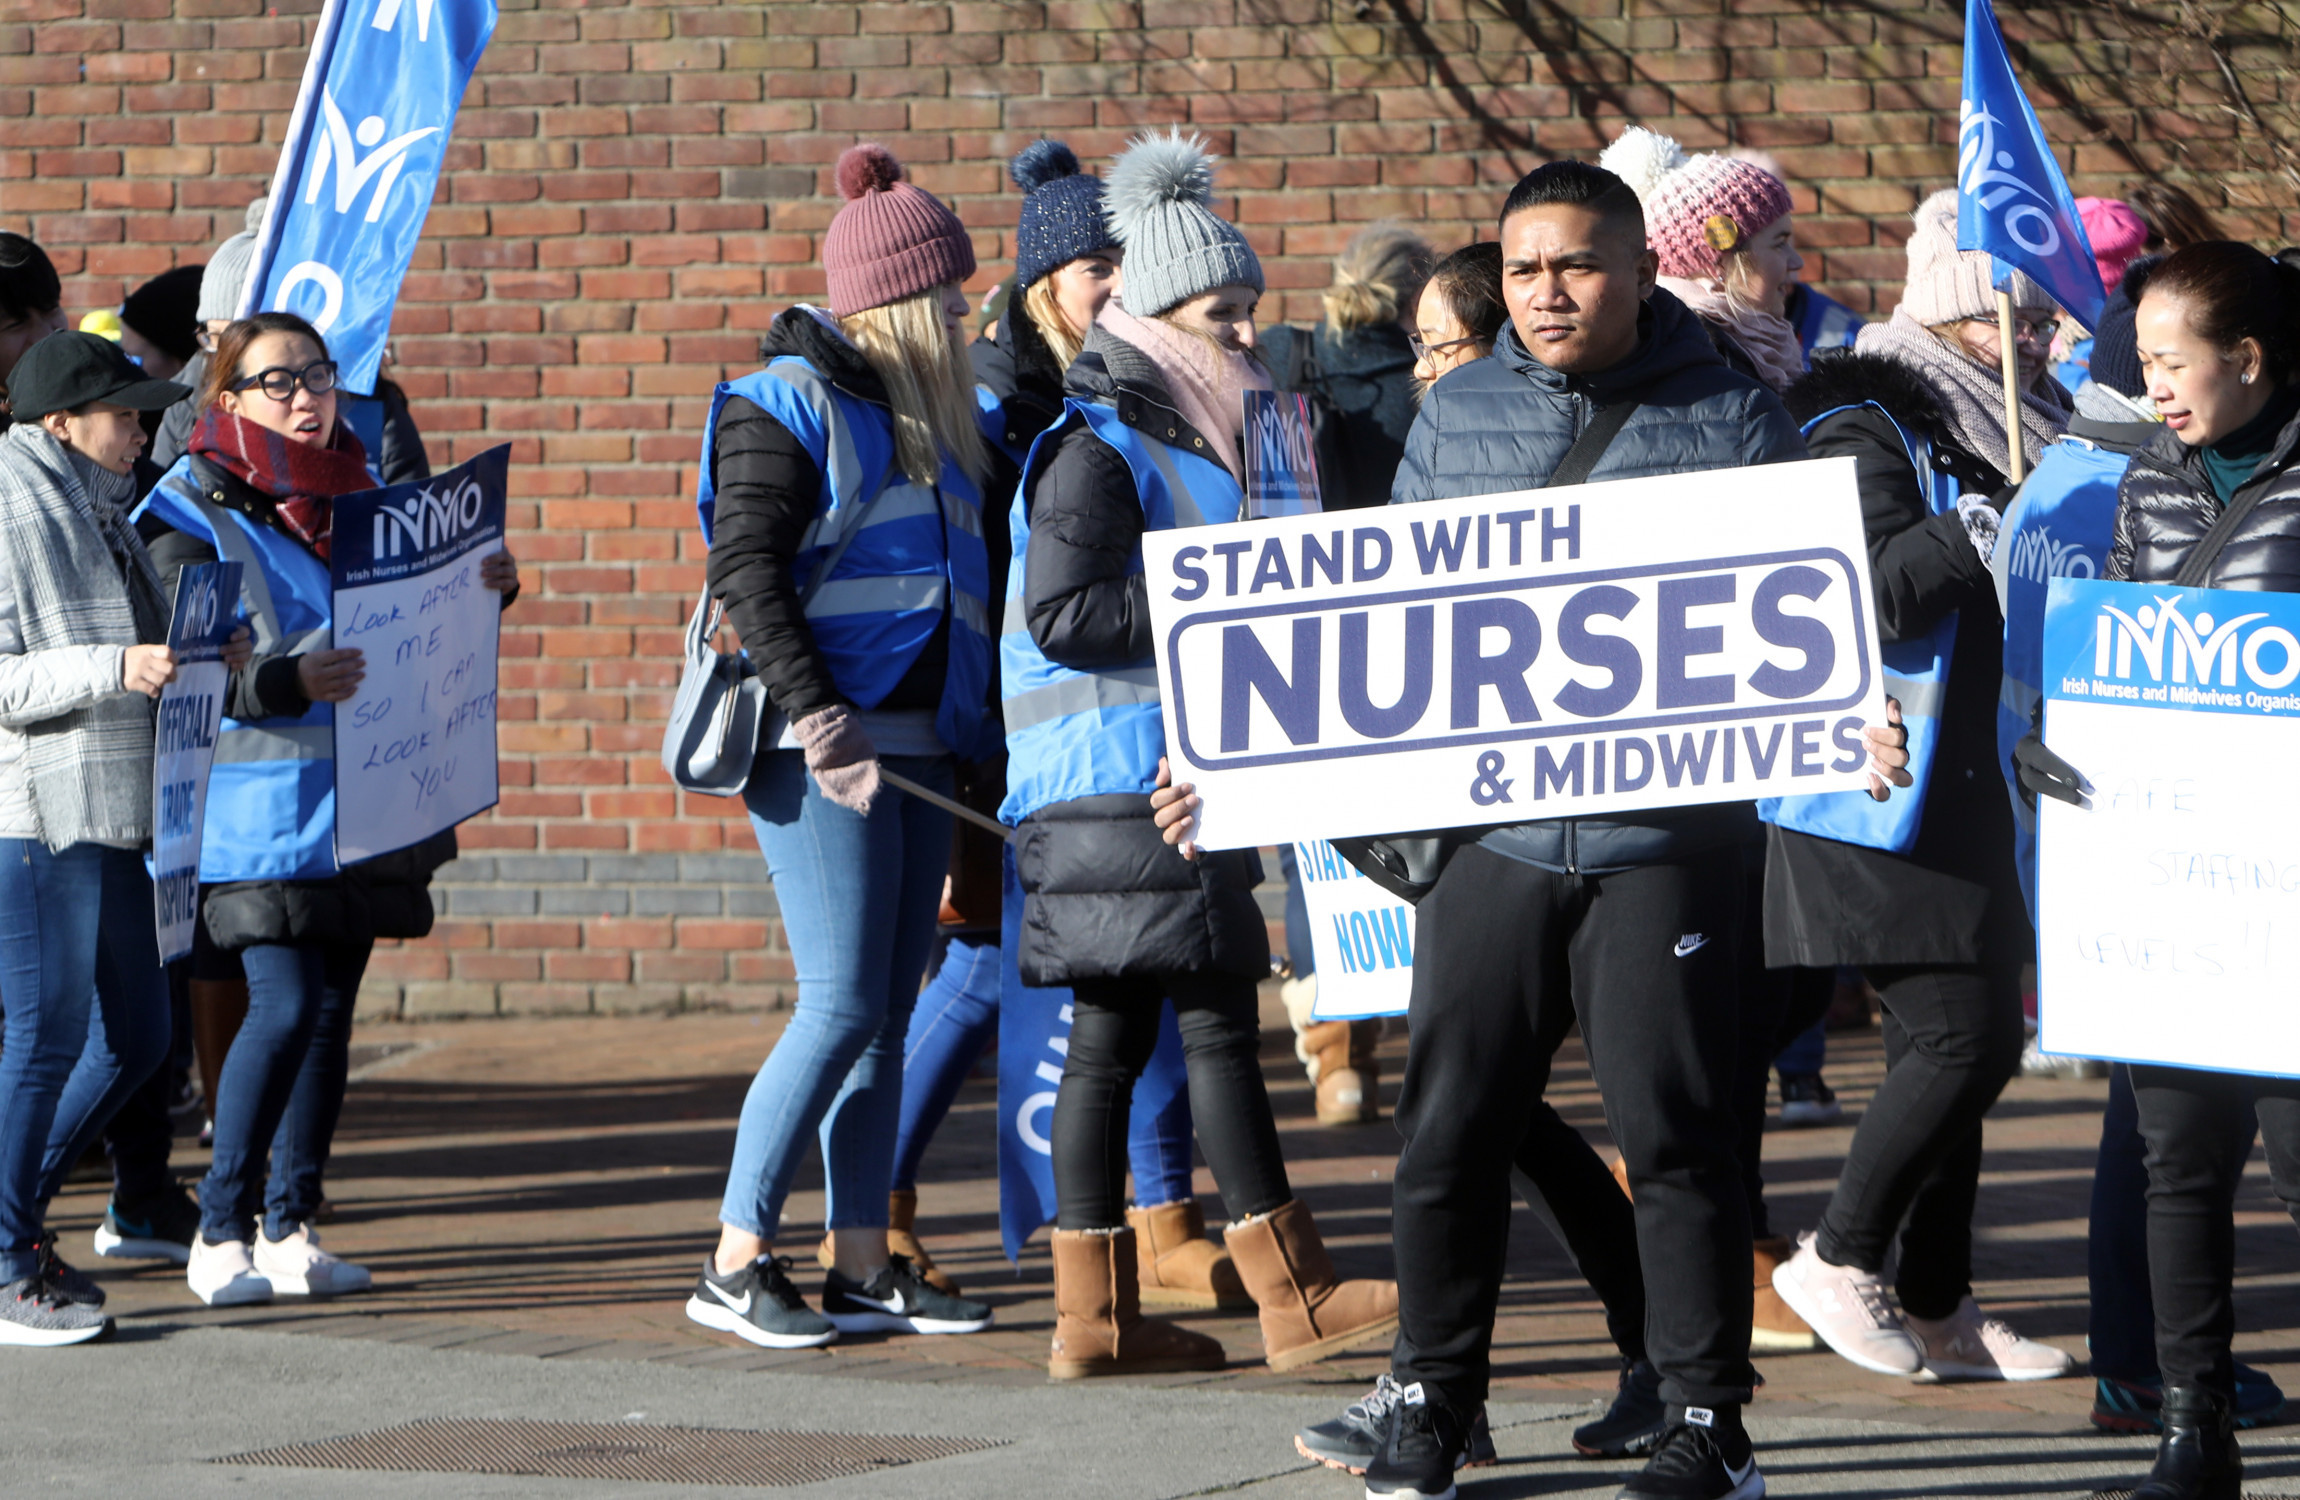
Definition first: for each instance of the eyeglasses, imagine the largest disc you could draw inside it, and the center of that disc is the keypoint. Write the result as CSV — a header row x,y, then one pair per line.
x,y
279,382
2041,331
1424,351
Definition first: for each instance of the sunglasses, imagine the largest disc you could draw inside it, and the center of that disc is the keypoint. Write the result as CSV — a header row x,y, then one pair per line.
x,y
279,382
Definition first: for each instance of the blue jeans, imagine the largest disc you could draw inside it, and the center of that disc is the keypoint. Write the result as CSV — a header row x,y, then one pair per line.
x,y
1807,1053
281,1088
87,1023
956,1018
858,897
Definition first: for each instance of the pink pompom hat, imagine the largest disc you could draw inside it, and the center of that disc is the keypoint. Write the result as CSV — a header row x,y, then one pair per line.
x,y
2118,235
892,240
1698,208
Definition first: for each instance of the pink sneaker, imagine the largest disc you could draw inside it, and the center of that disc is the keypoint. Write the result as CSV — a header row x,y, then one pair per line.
x,y
1849,1309
1967,1346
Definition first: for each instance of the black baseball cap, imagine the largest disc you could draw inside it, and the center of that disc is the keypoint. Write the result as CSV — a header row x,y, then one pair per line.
x,y
68,370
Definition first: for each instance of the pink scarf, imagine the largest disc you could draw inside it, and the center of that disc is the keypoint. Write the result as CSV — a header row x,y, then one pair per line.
x,y
1208,383
1767,339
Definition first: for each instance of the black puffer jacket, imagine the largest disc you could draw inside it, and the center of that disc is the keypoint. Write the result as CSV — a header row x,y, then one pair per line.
x,y
1019,370
1956,892
2166,505
1505,423
1368,376
1105,895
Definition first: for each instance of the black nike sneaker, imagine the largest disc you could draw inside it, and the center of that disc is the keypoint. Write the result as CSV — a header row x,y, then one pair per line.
x,y
160,1229
759,1303
1633,1424
898,1300
1425,1443
1350,1441
1704,1455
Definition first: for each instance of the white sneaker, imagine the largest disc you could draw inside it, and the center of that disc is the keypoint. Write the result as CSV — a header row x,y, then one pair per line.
x,y
1967,1346
1849,1309
225,1275
298,1267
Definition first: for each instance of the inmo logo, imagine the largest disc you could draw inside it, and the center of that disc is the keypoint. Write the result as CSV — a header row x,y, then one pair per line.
x,y
428,518
2268,656
2037,557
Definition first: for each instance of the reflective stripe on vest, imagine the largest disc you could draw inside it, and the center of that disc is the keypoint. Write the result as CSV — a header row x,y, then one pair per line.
x,y
2060,525
1916,673
1073,734
271,794
913,554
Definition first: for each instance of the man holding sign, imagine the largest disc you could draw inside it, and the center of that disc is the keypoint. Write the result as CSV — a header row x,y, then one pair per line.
x,y
1627,922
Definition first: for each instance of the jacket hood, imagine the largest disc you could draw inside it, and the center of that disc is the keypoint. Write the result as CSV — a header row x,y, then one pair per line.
x,y
2120,437
808,333
1669,339
1843,377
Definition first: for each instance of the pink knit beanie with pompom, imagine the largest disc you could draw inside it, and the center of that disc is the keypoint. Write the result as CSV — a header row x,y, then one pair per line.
x,y
892,239
1697,208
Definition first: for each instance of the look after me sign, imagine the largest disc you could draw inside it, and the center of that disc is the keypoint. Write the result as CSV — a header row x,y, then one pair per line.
x,y
1543,654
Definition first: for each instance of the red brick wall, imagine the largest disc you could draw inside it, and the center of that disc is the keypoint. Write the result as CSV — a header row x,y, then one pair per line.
x,y
636,190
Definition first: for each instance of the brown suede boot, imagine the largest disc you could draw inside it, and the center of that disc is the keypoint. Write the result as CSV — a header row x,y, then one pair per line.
x,y
1773,1328
1098,1324
1340,1058
901,1215
1307,1315
1177,1265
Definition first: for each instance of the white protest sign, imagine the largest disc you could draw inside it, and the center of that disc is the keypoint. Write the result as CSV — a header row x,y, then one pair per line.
x,y
1362,936
184,744
415,749
2168,910
1545,654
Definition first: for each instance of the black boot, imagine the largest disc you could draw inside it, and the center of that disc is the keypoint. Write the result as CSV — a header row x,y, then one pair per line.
x,y
2196,1459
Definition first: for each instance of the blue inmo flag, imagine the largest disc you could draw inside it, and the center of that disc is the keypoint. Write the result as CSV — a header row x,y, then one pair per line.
x,y
362,158
2011,198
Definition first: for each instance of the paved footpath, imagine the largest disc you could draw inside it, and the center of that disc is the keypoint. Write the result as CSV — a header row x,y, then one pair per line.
x,y
534,1197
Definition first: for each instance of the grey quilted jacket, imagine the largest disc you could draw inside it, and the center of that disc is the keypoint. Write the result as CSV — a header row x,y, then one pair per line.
x,y
1505,423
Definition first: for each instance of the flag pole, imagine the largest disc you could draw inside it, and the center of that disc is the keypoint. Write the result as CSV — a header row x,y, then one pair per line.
x,y
2010,359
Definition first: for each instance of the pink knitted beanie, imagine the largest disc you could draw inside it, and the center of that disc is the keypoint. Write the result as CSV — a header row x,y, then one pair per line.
x,y
1697,208
892,240
2118,235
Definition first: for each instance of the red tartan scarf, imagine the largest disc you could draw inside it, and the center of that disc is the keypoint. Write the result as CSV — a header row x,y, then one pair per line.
x,y
302,480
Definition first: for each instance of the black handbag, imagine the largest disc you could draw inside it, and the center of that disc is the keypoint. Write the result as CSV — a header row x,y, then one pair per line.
x,y
1408,865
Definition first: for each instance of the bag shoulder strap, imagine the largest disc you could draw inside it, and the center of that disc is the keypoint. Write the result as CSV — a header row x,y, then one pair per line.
x,y
1590,446
2207,552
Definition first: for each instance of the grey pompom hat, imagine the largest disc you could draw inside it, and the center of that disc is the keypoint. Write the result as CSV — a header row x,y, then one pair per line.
x,y
1159,201
227,272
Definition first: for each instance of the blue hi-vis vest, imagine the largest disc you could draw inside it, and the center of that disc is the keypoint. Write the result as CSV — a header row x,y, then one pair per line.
x,y
271,794
918,555
1076,734
1917,673
2059,526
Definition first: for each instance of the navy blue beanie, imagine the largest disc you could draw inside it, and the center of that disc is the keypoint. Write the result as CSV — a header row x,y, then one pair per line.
x,y
1061,212
2115,360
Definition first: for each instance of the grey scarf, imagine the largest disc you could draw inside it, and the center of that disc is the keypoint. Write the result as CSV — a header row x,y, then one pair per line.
x,y
1971,398
80,577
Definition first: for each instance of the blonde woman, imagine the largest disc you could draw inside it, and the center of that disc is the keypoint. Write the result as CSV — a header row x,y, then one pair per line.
x,y
841,499
1360,359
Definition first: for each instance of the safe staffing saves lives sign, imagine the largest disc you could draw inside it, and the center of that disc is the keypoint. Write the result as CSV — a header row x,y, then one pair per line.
x,y
1501,659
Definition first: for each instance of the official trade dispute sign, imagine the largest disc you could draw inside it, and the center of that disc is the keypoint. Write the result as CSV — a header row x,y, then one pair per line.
x,y
205,617
1542,654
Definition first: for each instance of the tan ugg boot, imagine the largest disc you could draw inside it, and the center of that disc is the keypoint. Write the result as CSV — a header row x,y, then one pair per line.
x,y
901,1215
1307,1314
1773,1328
1340,1057
1098,1324
1177,1265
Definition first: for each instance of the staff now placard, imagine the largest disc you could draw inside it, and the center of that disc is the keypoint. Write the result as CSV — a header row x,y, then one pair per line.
x,y
415,749
1362,936
2168,908
184,744
1543,654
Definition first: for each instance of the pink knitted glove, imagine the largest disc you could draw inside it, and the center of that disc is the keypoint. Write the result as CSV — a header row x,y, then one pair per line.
x,y
842,757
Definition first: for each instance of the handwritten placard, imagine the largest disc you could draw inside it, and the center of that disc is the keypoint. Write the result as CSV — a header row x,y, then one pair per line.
x,y
184,745
415,748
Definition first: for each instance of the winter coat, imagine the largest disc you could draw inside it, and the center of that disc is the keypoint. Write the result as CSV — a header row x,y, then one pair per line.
x,y
1107,895
1368,376
2166,505
383,897
1505,423
1019,371
1957,892
769,491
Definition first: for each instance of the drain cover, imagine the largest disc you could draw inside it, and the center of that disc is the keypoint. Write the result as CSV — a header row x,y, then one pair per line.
x,y
615,1450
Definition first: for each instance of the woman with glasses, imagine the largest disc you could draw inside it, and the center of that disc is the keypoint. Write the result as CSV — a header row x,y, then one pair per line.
x,y
1921,893
267,459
